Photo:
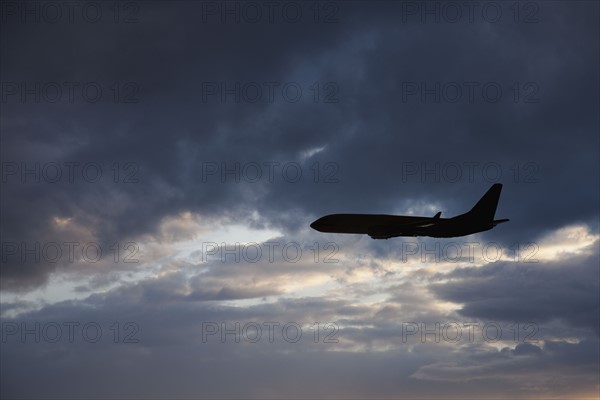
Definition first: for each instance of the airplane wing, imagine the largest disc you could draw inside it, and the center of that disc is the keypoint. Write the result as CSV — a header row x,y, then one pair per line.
x,y
384,233
403,229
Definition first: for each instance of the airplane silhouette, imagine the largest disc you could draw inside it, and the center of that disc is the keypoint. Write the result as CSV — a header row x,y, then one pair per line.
x,y
379,226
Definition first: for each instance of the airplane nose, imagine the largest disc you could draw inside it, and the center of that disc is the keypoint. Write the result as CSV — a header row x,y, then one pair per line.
x,y
316,224
321,224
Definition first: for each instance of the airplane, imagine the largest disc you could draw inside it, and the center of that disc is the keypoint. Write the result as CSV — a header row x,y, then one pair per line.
x,y
380,226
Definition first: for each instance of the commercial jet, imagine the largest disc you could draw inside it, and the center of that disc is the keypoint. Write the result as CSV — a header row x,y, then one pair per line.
x,y
380,226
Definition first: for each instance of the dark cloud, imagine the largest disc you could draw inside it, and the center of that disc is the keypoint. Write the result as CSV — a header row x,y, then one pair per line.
x,y
373,133
370,141
169,331
565,289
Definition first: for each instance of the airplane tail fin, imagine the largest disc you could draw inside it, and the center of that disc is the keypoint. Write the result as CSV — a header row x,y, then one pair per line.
x,y
485,209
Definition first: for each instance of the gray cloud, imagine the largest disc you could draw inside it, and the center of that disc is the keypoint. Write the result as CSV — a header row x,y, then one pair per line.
x,y
564,289
374,133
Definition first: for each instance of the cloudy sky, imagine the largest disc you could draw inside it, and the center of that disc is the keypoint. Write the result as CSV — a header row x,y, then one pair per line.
x,y
162,162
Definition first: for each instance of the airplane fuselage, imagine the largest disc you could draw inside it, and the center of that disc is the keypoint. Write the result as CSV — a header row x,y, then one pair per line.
x,y
380,226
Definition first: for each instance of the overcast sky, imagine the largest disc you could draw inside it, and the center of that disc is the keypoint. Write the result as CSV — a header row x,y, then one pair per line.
x,y
162,162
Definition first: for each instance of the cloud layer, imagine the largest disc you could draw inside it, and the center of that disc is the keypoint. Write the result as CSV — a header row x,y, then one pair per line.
x,y
210,132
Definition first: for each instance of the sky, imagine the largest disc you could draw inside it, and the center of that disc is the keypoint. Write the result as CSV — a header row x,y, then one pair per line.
x,y
161,163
